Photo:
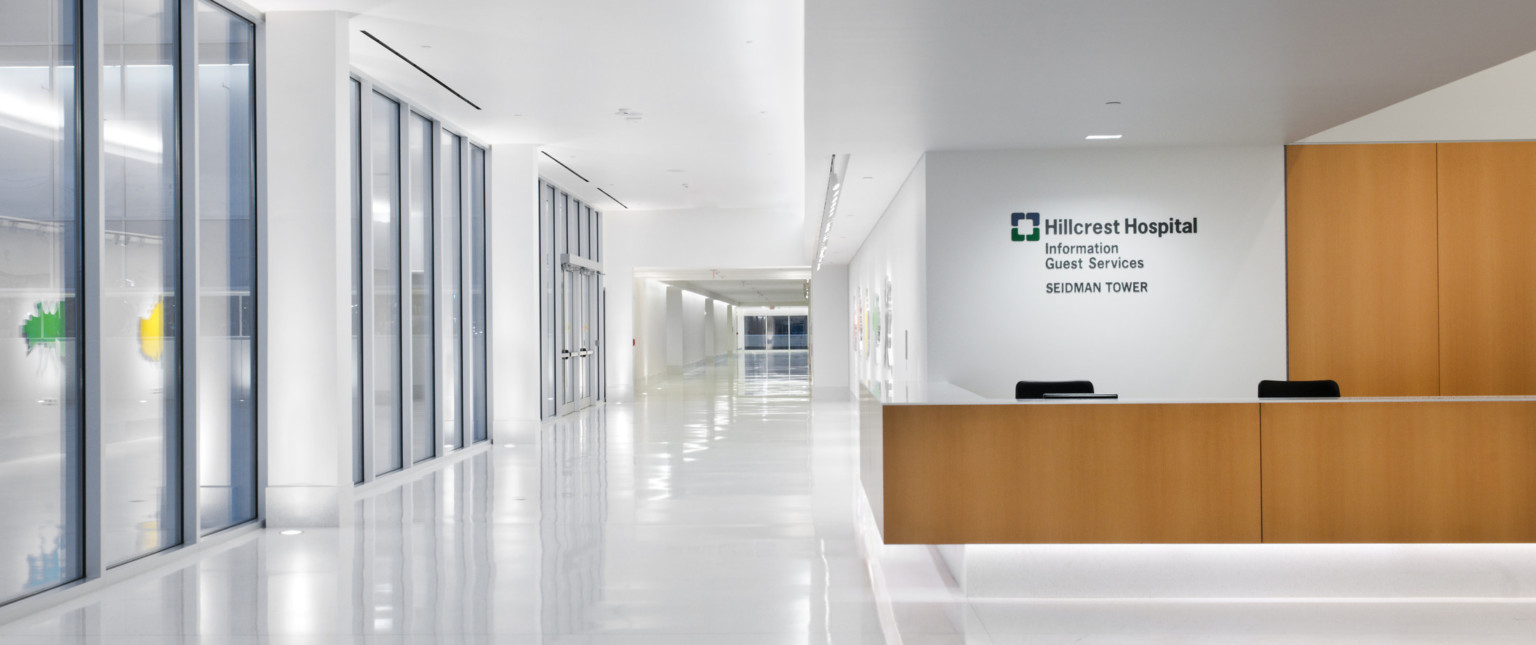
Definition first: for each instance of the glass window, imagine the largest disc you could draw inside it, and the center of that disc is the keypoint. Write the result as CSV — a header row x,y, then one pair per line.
x,y
357,281
226,268
140,314
478,319
423,428
40,412
453,337
384,143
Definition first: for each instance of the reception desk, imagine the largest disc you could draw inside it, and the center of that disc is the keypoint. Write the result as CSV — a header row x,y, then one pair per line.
x,y
941,465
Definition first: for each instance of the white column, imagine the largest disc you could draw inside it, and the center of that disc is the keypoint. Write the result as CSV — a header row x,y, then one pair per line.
x,y
306,310
830,358
513,253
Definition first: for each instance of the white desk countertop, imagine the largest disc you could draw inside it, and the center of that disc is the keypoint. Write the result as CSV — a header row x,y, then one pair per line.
x,y
943,393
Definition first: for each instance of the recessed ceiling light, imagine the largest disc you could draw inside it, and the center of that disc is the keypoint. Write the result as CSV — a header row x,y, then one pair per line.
x,y
292,532
1100,137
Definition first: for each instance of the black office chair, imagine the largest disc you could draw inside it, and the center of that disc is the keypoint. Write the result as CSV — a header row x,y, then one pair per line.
x,y
1038,389
1326,389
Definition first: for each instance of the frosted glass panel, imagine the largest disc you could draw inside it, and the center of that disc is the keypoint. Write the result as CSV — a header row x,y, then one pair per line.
x,y
40,389
226,267
452,302
423,416
140,308
478,319
385,149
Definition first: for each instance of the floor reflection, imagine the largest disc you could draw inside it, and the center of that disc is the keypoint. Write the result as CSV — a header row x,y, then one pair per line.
x,y
716,507
573,513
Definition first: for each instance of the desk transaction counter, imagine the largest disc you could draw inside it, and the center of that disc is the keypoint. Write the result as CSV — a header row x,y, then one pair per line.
x,y
941,465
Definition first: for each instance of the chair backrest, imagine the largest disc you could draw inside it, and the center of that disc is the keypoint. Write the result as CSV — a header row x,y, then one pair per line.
x,y
1325,389
1038,389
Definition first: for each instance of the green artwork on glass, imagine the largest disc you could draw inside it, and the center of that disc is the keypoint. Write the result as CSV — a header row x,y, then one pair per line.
x,y
45,328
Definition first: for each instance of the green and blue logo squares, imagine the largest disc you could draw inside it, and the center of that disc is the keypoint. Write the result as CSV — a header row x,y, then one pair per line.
x,y
1034,221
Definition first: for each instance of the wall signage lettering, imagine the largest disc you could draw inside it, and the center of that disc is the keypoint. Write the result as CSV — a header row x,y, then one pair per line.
x,y
1081,258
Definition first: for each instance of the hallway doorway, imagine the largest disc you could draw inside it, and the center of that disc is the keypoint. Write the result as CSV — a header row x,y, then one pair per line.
x,y
686,320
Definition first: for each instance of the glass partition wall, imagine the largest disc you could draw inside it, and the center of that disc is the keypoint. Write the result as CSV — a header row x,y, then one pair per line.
x,y
127,276
420,258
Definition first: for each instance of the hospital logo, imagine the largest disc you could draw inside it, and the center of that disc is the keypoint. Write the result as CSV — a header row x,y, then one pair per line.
x,y
1034,221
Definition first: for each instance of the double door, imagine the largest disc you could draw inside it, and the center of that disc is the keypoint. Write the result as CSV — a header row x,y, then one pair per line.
x,y
579,338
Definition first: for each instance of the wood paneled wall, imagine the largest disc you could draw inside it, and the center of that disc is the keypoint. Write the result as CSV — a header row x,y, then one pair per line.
x,y
1487,268
1360,288
1408,272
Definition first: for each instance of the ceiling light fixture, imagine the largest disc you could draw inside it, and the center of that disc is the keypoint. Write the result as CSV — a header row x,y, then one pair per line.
x,y
1102,137
420,69
838,168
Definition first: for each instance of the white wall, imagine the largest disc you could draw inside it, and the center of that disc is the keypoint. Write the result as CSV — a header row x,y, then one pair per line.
x,y
1211,323
1498,103
895,253
650,339
692,239
693,329
829,330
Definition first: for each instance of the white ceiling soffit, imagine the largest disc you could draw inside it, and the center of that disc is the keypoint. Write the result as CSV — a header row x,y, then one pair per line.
x,y
887,80
749,293
1498,103
697,275
712,92
744,287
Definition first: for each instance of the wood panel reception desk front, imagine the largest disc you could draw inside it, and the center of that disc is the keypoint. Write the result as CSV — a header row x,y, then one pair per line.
x,y
941,465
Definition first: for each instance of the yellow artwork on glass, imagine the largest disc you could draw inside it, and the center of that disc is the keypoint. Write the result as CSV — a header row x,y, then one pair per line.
x,y
152,332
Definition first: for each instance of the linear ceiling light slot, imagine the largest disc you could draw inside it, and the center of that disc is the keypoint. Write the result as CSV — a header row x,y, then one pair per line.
x,y
562,165
419,69
615,199
836,170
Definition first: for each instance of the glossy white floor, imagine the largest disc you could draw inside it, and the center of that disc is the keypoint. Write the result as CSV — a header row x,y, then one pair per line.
x,y
717,507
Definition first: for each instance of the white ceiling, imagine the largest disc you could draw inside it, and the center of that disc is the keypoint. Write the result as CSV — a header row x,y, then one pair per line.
x,y
887,80
719,85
